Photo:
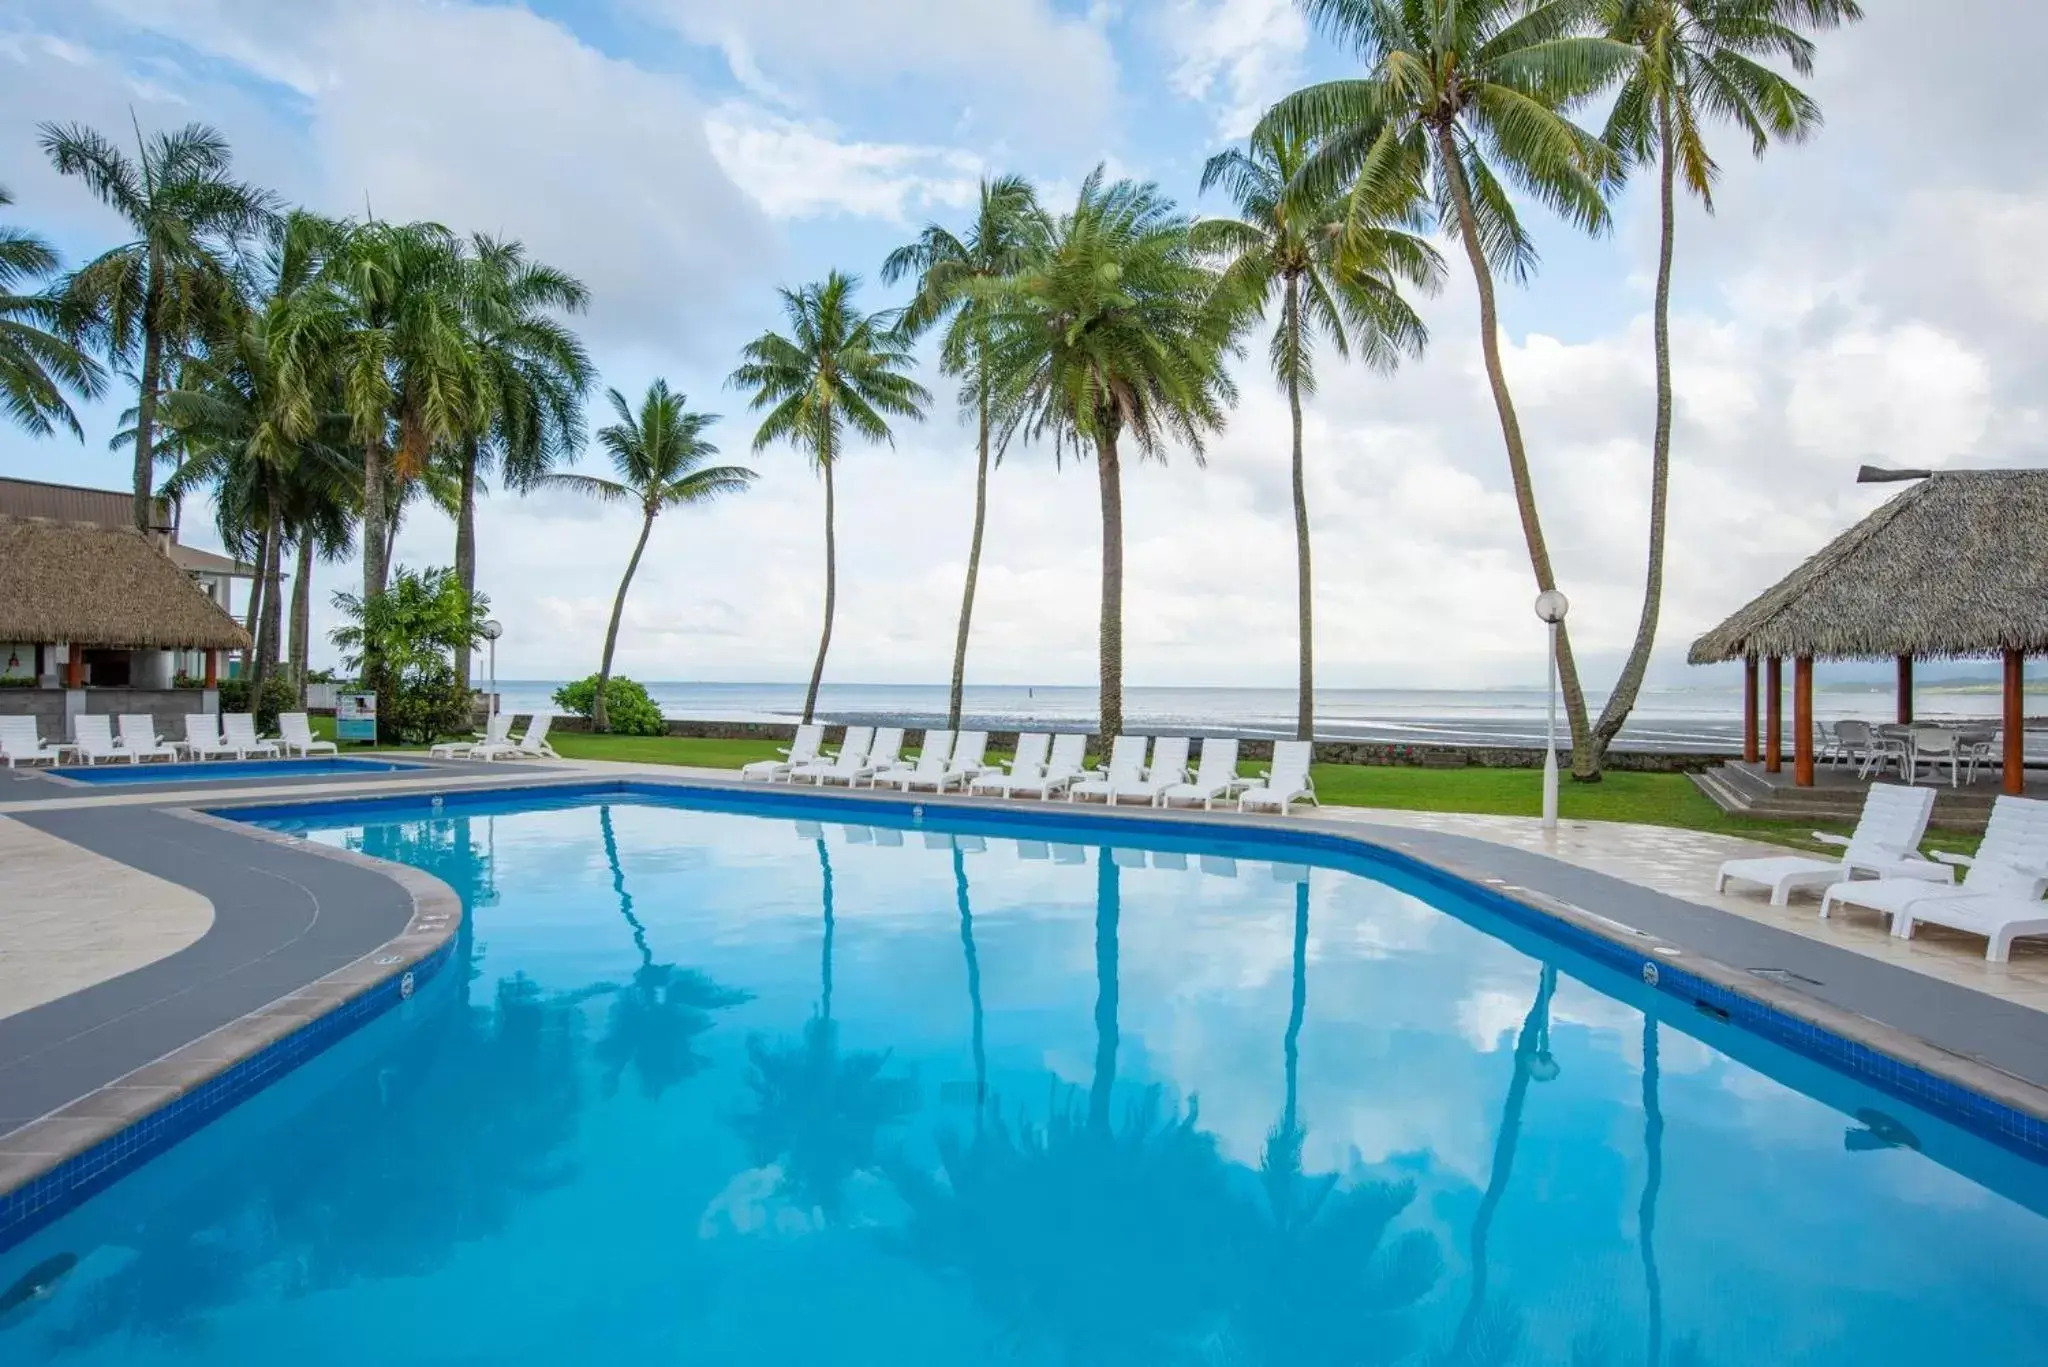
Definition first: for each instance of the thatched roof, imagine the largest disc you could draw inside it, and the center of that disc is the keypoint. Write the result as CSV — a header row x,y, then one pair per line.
x,y
1956,566
102,586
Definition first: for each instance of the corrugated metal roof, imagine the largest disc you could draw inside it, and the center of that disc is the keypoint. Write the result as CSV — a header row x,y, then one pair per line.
x,y
193,560
75,503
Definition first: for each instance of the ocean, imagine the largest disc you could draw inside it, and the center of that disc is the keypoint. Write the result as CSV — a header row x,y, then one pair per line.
x,y
1668,719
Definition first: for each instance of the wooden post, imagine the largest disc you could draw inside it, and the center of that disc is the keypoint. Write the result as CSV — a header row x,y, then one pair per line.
x,y
1774,715
2013,764
1802,721
213,669
1905,690
74,666
1749,745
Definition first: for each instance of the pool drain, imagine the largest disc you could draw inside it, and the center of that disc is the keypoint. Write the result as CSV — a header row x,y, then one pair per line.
x,y
1649,973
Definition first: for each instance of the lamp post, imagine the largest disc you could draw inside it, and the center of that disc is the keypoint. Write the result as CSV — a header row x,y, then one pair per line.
x,y
1551,606
491,631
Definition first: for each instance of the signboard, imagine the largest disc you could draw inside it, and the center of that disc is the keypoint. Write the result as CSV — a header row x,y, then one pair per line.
x,y
355,716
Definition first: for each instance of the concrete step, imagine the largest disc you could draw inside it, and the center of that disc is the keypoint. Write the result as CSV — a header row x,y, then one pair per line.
x,y
1740,792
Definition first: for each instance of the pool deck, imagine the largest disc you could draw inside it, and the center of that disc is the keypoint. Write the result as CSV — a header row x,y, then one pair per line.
x,y
145,947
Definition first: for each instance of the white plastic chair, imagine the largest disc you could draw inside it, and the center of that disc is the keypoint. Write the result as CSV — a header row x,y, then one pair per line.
x,y
1125,770
497,732
1026,766
1885,844
1169,768
1215,776
1067,765
532,745
884,754
19,743
1930,745
800,751
202,731
1286,783
962,768
296,730
2011,861
933,757
851,759
94,734
139,738
238,730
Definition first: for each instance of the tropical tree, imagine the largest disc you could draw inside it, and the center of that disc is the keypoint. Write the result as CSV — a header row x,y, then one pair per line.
x,y
1335,264
1696,61
660,456
836,369
37,362
1476,90
532,373
155,293
1008,226
1113,336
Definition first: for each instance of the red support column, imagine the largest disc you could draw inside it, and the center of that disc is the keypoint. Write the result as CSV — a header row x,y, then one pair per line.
x,y
213,669
1749,745
1905,690
1802,721
2014,761
1774,715
74,667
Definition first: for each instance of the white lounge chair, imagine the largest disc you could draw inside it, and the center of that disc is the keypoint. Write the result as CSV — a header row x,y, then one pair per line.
x,y
851,759
1068,765
1026,766
202,729
962,768
1169,767
497,732
94,735
2011,861
800,751
2000,920
885,754
532,745
139,739
1215,776
238,729
19,743
1286,783
1126,769
932,758
1885,844
296,732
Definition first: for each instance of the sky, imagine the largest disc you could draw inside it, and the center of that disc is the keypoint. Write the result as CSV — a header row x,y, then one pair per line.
x,y
1871,295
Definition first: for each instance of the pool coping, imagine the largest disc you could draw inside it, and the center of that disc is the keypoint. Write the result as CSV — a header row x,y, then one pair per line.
x,y
82,786
55,1163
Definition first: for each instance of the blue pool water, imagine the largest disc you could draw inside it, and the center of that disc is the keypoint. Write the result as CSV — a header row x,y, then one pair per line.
x,y
221,771
708,1087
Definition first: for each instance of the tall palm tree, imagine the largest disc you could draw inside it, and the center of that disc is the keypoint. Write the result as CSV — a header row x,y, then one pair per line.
x,y
837,368
1336,263
37,362
533,372
1008,226
1475,89
157,291
1696,60
660,456
1114,333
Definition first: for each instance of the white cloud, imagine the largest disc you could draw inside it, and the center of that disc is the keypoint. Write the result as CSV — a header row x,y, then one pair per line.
x,y
798,169
1239,55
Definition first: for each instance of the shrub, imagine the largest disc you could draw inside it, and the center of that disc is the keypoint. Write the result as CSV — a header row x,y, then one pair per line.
x,y
628,711
279,695
422,705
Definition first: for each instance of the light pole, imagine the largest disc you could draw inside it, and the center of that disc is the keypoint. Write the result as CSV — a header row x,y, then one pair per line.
x,y
491,631
1551,606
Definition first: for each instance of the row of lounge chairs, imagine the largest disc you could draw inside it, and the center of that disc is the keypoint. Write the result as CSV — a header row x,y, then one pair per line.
x,y
496,741
208,735
1881,869
1139,769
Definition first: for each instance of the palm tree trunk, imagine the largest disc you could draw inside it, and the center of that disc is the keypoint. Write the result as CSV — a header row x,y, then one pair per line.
x,y
973,566
145,398
1297,1008
465,547
376,560
271,636
1653,1181
1305,710
1619,703
973,984
302,614
1511,432
825,954
1108,911
831,597
1112,626
598,720
252,621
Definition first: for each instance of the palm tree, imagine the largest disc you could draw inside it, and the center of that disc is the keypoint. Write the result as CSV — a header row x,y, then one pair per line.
x,y
172,279
1695,60
1653,1183
1337,274
975,1014
534,372
660,457
837,368
1008,227
1474,89
1114,332
37,363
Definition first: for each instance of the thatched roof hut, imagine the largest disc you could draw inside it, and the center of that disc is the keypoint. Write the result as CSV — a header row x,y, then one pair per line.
x,y
102,587
1956,566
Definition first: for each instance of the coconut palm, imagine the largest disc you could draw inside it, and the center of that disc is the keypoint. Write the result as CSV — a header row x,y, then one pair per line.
x,y
158,291
37,363
1696,61
1476,90
1008,226
1113,338
660,456
837,368
533,372
1335,264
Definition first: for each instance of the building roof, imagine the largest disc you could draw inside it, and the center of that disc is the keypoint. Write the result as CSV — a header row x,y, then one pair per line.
x,y
193,560
1956,566
74,503
102,586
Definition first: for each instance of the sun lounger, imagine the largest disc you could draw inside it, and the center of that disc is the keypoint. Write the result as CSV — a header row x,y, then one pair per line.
x,y
94,733
1286,783
886,753
139,739
1169,768
1885,844
201,730
532,745
801,751
19,743
297,731
852,759
1215,776
1026,766
1067,765
2000,920
497,732
932,759
1126,769
964,766
238,729
2011,862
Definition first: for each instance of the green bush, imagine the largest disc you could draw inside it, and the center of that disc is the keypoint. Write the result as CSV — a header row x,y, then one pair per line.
x,y
278,696
422,705
628,711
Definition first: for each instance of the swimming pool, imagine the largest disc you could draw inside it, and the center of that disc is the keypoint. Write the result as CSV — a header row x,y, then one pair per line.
x,y
714,1086
222,771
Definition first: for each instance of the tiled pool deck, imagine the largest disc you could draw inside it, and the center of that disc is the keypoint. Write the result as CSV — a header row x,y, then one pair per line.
x,y
144,960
